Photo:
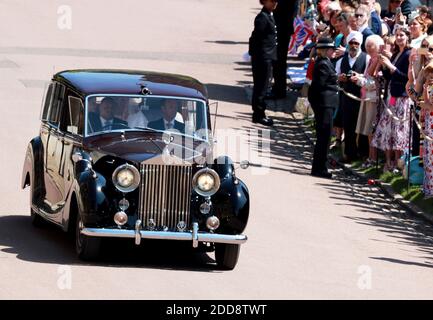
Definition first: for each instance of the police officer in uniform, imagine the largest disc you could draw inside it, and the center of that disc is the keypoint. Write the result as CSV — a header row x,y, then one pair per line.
x,y
284,15
263,52
323,97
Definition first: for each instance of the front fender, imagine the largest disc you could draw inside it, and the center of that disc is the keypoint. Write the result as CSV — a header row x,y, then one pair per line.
x,y
232,201
90,192
232,206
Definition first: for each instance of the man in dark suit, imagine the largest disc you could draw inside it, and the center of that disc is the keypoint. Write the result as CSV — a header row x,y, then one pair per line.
x,y
362,15
375,23
169,110
263,52
284,15
103,119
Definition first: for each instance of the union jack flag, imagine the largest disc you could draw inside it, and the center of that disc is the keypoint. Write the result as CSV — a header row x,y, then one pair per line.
x,y
302,33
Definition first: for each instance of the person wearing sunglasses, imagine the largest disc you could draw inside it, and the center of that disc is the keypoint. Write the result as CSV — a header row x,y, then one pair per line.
x,y
362,15
353,63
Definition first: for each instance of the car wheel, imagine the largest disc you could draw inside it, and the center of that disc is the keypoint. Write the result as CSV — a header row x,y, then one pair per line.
x,y
227,255
37,220
87,247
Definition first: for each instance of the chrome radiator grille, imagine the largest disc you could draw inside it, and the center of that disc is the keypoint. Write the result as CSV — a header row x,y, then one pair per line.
x,y
165,195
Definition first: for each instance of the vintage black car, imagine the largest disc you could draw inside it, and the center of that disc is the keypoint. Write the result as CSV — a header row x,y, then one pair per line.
x,y
128,154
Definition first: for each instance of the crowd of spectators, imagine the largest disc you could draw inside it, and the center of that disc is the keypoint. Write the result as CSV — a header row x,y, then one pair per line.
x,y
383,58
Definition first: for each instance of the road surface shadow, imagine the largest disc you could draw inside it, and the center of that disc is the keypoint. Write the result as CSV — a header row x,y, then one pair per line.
x,y
227,42
409,263
288,150
51,245
388,217
226,93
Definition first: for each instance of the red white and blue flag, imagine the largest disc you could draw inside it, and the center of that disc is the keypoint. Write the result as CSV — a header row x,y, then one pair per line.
x,y
302,33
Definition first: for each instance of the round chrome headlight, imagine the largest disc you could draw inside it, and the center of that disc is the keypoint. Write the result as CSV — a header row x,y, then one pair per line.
x,y
206,182
126,178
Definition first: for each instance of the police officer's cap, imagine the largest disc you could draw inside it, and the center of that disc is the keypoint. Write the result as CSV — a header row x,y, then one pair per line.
x,y
325,43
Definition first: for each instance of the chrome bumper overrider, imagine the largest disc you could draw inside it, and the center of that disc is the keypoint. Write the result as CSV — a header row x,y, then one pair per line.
x,y
195,236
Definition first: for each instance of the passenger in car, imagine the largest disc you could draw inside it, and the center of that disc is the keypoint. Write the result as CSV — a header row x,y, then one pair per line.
x,y
121,109
103,119
136,118
168,121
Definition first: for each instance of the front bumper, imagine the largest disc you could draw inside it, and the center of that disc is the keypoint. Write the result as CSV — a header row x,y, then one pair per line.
x,y
195,236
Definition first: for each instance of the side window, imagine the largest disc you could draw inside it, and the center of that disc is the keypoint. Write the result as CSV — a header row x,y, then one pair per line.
x,y
47,102
54,111
72,121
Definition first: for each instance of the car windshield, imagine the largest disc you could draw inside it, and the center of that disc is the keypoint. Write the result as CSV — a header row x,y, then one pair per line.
x,y
110,113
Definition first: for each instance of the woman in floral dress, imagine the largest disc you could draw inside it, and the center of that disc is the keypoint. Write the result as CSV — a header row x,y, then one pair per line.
x,y
420,73
428,131
392,132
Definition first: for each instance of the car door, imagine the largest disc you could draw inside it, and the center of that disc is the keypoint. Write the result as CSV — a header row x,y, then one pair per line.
x,y
71,125
53,144
44,134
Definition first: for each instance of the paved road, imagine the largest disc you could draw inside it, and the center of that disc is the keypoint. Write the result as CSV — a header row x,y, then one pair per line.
x,y
308,238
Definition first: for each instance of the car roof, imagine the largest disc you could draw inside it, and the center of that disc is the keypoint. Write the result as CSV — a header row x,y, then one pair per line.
x,y
110,81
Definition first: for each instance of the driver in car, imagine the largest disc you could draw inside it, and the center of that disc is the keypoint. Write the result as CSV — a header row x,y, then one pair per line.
x,y
168,121
103,119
